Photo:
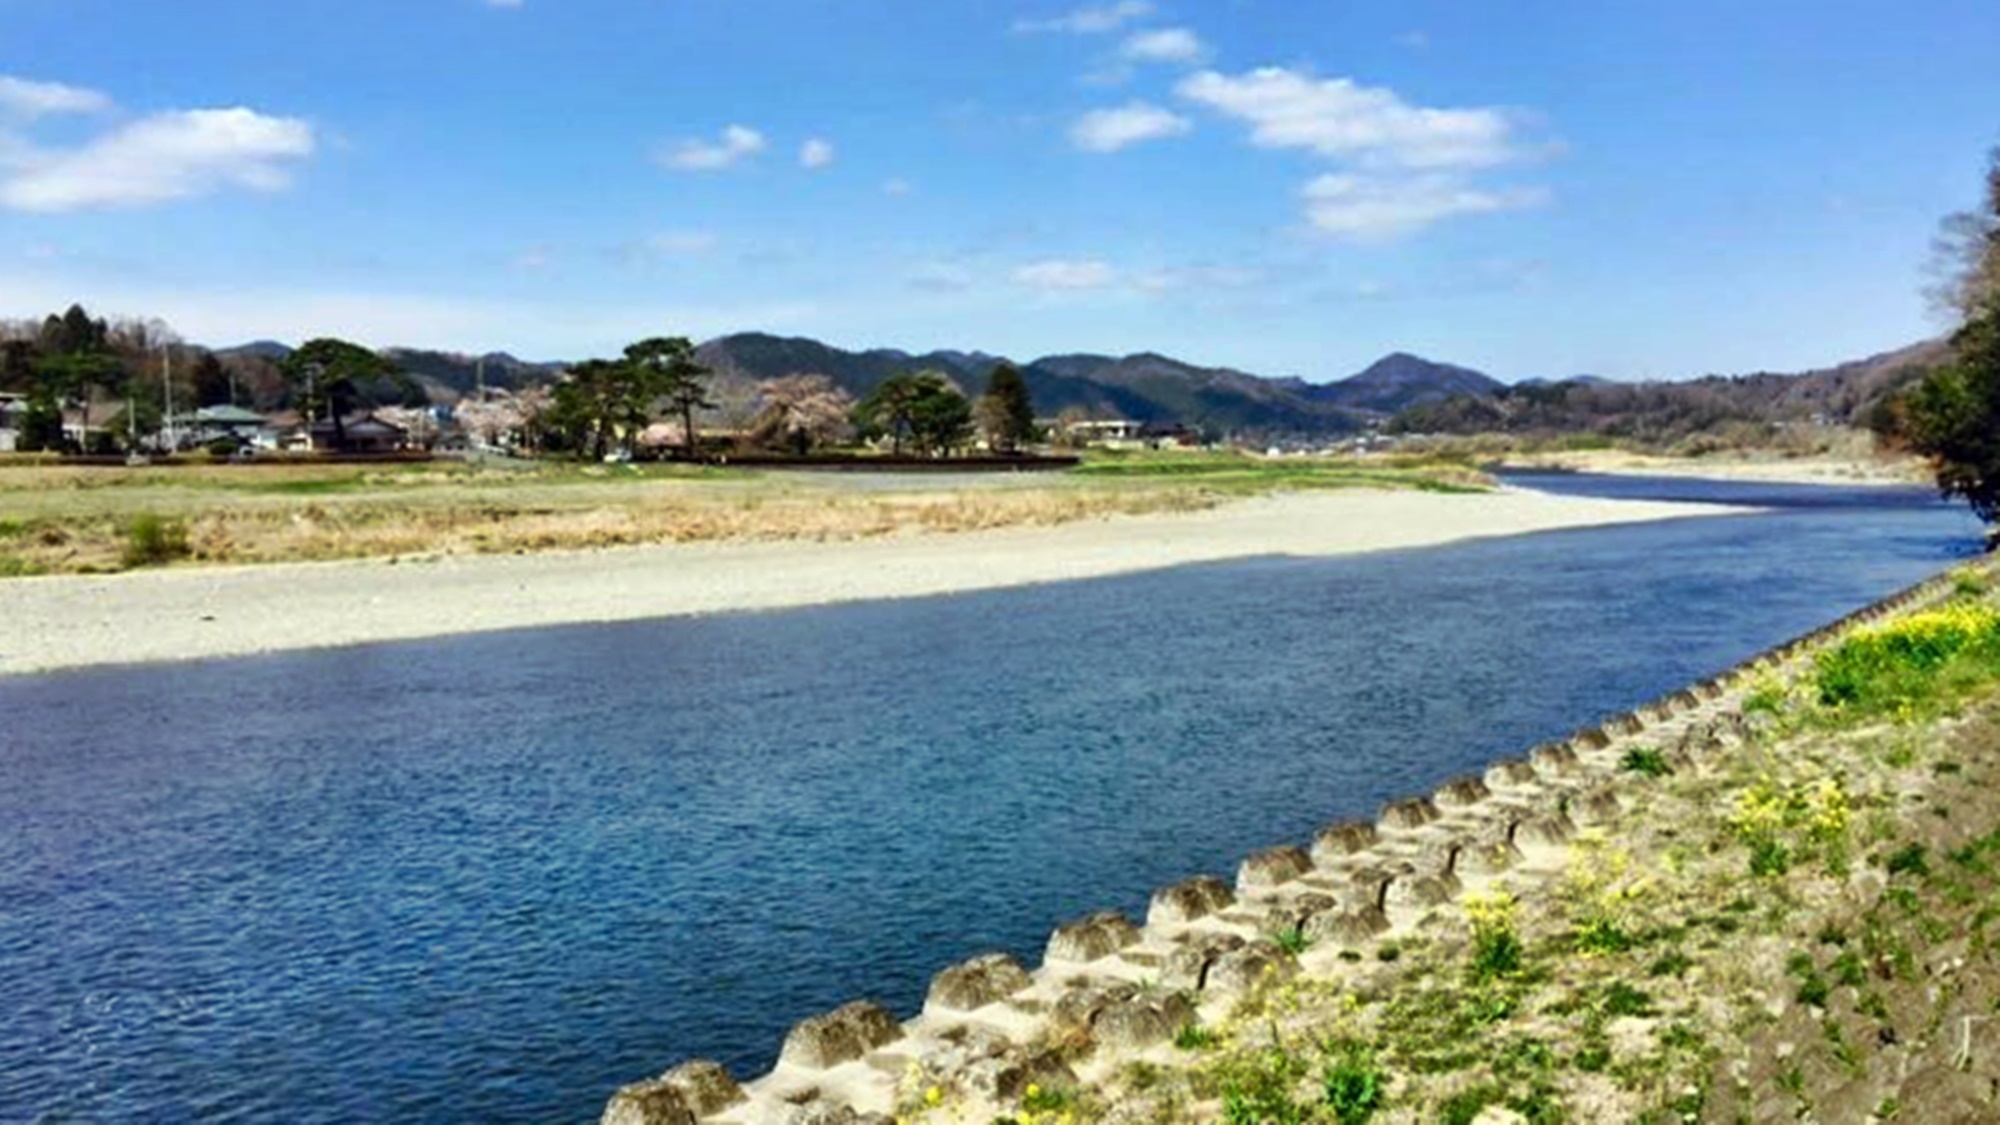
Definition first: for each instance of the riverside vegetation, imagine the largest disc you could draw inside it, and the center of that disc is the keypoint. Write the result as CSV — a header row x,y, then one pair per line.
x,y
1800,927
57,519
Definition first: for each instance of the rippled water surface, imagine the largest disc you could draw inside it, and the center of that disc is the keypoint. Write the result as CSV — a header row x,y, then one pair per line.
x,y
491,878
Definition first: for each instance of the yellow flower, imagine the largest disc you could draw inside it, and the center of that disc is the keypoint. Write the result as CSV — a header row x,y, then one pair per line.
x,y
934,1096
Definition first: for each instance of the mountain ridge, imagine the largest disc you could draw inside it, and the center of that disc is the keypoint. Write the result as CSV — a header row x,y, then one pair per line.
x,y
1403,391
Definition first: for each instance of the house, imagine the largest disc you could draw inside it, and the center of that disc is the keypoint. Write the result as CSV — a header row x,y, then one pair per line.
x,y
1115,430
12,406
215,422
212,424
1161,435
362,433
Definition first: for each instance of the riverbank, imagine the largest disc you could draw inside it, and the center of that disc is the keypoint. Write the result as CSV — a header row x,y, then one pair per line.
x,y
1766,897
1845,471
70,519
178,614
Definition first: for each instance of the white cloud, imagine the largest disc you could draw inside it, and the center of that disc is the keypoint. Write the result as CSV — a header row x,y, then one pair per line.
x,y
736,143
1108,130
1400,167
167,156
1164,45
21,98
1057,274
1095,20
1367,209
815,154
1338,118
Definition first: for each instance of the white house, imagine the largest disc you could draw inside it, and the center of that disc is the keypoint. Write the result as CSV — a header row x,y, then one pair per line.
x,y
11,408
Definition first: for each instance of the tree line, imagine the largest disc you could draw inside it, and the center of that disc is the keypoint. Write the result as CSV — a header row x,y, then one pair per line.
x,y
647,401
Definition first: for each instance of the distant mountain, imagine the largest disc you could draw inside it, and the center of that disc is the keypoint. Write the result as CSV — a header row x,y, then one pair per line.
x,y
1666,412
1407,393
257,349
1399,381
449,376
1146,387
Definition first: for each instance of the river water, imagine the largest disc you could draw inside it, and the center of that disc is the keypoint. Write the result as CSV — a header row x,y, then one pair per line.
x,y
490,878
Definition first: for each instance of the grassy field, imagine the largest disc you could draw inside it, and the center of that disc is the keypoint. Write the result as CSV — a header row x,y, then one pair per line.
x,y
58,519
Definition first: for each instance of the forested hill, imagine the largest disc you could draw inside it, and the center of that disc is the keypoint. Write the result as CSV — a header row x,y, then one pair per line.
x,y
1407,393
1144,387
1662,412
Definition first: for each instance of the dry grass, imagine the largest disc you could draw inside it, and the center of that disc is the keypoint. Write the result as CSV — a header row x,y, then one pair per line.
x,y
60,519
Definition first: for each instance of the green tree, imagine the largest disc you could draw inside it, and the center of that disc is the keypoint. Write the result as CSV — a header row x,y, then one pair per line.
x,y
921,409
74,332
213,385
40,426
1006,412
887,411
327,377
592,408
77,361
19,360
667,369
941,417
1953,416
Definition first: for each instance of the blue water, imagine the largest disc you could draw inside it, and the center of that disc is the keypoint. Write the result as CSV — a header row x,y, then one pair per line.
x,y
489,879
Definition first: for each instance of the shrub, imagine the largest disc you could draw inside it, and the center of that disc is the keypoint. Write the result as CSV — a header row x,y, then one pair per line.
x,y
1671,965
1646,761
153,541
1292,940
1194,1037
1910,859
1354,1087
1621,999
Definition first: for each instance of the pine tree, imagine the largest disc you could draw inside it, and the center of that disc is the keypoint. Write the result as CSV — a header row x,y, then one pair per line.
x,y
1006,411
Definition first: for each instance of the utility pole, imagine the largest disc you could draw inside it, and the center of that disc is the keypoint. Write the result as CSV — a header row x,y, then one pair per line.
x,y
167,393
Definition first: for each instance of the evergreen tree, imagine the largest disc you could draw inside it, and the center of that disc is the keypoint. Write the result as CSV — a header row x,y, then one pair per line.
x,y
1006,412
77,362
921,408
667,369
327,377
40,426
212,384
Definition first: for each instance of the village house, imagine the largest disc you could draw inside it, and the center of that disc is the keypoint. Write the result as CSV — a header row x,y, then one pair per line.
x,y
11,408
361,433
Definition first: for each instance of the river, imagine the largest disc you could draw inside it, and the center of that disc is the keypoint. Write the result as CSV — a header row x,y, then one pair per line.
x,y
490,878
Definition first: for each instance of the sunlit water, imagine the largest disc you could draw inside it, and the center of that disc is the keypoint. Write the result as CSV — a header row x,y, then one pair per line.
x,y
490,878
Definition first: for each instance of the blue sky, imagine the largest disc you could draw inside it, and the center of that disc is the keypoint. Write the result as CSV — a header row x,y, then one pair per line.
x,y
1638,189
